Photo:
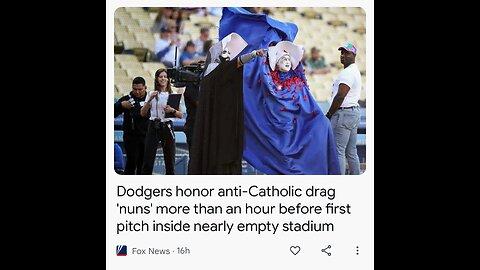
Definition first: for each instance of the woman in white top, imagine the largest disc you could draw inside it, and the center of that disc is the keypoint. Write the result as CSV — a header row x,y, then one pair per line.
x,y
160,129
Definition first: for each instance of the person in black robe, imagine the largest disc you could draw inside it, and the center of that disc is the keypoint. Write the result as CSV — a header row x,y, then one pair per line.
x,y
218,133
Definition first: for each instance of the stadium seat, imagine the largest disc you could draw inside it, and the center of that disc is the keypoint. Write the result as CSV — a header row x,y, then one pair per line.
x,y
147,23
124,35
142,54
125,58
131,44
123,80
124,89
118,72
131,65
148,44
121,13
116,93
119,163
128,21
134,10
140,36
132,73
137,28
120,28
152,67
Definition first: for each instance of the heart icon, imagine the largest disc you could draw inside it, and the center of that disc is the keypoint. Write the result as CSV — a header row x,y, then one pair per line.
x,y
295,249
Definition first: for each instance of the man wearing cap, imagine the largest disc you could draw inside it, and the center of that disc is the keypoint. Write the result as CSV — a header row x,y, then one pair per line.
x,y
165,47
344,111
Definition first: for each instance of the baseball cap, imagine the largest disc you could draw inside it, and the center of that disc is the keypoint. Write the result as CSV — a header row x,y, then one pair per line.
x,y
164,29
349,47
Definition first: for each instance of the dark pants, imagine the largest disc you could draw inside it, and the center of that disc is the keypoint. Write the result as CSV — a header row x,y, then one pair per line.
x,y
134,147
189,135
165,135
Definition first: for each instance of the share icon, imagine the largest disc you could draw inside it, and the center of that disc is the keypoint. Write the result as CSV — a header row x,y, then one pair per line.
x,y
325,250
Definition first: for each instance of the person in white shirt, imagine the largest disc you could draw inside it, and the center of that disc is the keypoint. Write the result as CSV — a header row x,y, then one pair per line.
x,y
160,128
344,111
165,48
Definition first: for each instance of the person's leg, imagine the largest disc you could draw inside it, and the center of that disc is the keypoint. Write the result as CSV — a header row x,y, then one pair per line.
x,y
342,136
351,121
131,153
189,136
151,144
168,145
351,154
140,153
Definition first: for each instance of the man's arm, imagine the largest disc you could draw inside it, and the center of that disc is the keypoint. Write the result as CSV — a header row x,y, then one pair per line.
x,y
338,99
121,106
242,60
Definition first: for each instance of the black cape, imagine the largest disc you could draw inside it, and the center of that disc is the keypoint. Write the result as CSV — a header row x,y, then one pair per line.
x,y
218,134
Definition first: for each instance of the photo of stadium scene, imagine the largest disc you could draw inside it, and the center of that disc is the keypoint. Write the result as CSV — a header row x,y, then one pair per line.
x,y
232,90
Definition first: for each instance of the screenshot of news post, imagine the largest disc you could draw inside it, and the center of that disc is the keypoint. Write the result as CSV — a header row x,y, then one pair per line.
x,y
239,138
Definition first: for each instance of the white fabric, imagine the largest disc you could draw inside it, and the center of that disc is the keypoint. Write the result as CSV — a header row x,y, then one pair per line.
x,y
351,77
210,68
280,54
225,41
282,48
235,44
158,105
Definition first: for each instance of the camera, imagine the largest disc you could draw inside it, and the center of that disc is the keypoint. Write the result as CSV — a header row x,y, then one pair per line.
x,y
132,101
186,75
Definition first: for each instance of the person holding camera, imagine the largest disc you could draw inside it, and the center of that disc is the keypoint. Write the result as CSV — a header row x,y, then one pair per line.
x,y
134,125
160,127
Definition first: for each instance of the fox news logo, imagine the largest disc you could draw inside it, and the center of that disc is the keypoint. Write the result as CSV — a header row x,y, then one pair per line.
x,y
121,250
